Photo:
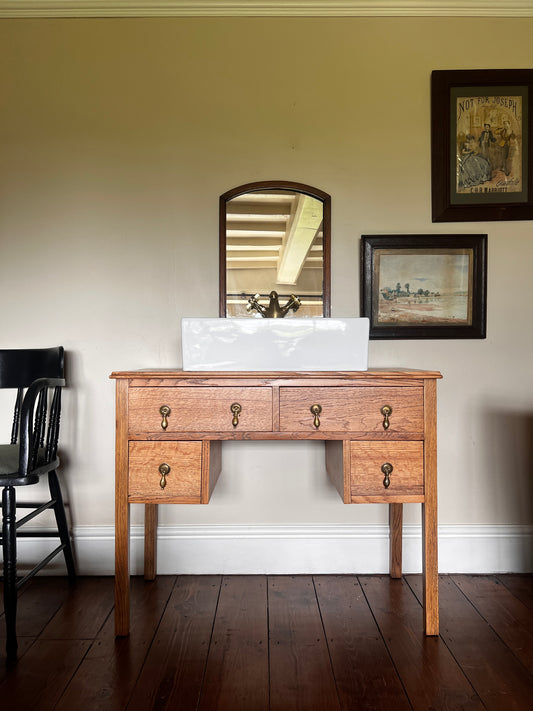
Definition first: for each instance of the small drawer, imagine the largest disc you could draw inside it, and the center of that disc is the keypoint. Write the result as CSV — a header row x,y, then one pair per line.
x,y
181,482
200,409
353,409
368,469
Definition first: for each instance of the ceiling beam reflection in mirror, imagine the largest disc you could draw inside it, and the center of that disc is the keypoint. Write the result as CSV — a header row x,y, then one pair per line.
x,y
274,240
275,229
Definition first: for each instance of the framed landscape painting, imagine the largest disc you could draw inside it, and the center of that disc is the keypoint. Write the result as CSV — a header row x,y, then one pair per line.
x,y
424,286
482,145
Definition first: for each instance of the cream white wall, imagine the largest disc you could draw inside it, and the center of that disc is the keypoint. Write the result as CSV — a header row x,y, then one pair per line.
x,y
118,136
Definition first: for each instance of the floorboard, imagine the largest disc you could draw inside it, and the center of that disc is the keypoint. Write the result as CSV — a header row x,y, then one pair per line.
x,y
521,586
109,671
273,643
301,675
37,682
236,675
431,676
502,682
174,668
506,614
86,605
362,666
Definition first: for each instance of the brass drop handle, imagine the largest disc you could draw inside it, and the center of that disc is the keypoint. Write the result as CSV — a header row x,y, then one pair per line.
x,y
316,409
386,411
164,470
387,470
236,410
164,411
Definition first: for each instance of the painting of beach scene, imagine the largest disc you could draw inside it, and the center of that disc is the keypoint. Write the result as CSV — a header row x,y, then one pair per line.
x,y
432,287
424,286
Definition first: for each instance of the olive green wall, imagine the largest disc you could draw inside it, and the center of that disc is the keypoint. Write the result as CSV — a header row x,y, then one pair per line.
x,y
118,136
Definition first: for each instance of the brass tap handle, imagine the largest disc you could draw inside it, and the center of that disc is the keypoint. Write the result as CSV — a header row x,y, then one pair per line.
x,y
386,411
236,410
164,470
387,470
316,409
164,411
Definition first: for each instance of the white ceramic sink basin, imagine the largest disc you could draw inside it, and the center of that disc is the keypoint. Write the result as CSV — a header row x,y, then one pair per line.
x,y
266,344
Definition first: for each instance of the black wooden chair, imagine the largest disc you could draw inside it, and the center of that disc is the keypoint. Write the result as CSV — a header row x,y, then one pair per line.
x,y
37,376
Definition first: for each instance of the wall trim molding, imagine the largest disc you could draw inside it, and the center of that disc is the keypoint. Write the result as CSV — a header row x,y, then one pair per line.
x,y
260,8
274,549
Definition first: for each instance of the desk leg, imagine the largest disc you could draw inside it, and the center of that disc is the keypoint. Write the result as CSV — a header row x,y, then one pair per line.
x,y
122,515
431,580
150,541
429,512
395,533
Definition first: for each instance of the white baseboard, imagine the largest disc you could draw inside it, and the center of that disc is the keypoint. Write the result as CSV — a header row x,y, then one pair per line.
x,y
198,549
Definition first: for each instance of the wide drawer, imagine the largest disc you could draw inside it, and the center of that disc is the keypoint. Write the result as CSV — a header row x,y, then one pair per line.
x,y
352,409
200,409
387,468
182,482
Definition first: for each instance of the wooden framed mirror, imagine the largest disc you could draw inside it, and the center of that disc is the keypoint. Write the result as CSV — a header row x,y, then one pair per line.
x,y
275,235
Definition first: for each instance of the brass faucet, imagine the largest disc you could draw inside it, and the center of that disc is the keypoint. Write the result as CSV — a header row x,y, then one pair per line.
x,y
274,309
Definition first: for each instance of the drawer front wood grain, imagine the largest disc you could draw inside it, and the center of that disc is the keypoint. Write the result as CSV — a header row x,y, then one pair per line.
x,y
183,483
367,476
200,409
352,409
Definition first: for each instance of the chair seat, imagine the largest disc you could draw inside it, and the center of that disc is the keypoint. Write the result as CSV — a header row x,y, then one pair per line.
x,y
9,466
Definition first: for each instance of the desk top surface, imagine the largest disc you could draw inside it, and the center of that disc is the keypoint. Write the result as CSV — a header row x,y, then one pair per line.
x,y
178,374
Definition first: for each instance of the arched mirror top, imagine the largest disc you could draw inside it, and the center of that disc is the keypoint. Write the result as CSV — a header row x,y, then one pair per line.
x,y
275,236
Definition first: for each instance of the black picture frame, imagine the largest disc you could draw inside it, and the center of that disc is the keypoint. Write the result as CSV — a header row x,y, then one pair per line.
x,y
445,296
482,145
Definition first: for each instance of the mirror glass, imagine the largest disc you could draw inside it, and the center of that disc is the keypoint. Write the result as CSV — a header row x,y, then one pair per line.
x,y
275,236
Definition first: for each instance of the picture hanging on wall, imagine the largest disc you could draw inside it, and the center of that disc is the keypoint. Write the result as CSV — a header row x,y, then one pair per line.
x,y
482,145
424,286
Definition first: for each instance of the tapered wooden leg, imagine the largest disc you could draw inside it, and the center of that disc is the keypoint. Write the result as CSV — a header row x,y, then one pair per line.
x,y
429,512
150,541
122,515
395,533
122,571
431,581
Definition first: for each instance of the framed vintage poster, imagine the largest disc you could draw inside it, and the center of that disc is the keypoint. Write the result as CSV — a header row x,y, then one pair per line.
x,y
424,286
482,145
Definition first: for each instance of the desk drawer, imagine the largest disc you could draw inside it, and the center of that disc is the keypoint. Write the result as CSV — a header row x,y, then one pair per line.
x,y
367,478
182,482
353,409
200,409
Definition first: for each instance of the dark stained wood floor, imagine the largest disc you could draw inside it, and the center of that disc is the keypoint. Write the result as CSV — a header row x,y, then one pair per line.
x,y
273,642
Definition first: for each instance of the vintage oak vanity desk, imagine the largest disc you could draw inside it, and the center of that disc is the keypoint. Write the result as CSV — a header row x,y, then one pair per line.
x,y
379,428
